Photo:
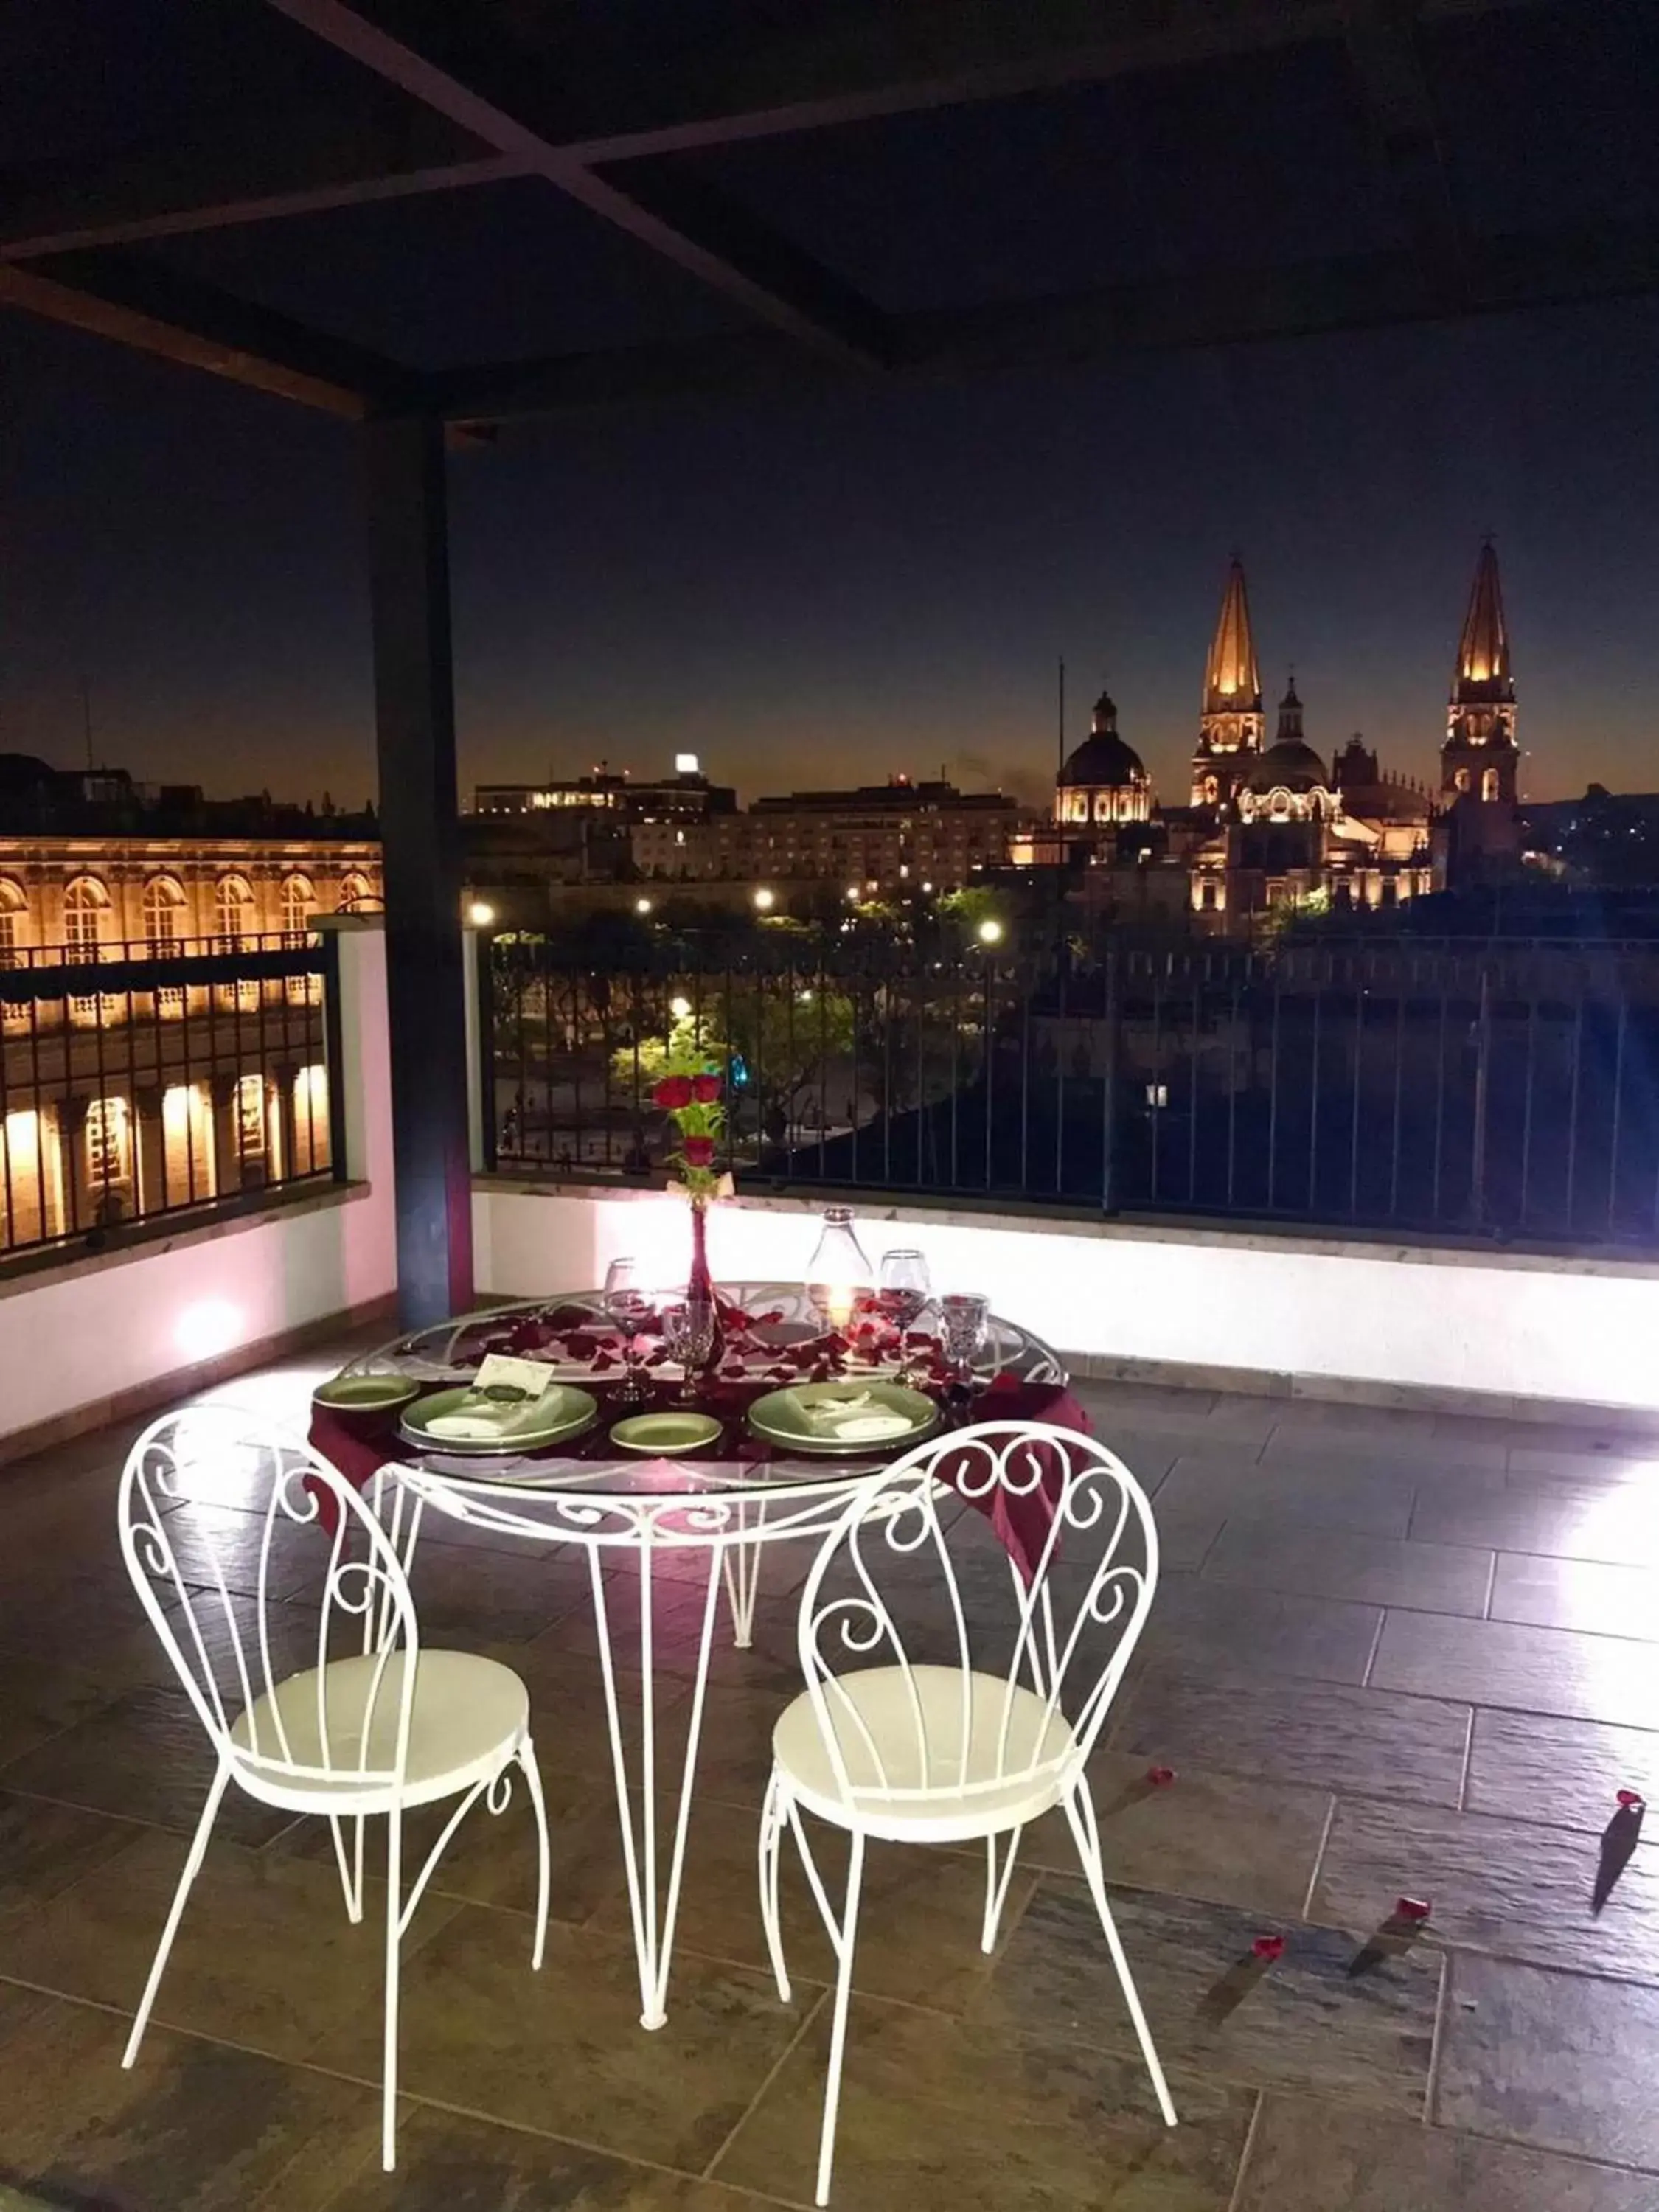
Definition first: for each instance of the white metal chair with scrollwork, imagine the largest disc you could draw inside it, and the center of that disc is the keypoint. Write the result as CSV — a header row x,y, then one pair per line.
x,y
376,1726
908,1751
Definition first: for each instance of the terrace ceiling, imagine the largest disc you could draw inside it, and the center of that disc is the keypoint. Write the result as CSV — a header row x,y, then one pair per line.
x,y
511,206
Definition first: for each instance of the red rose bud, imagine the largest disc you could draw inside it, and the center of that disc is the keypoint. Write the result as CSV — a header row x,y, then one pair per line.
x,y
1412,1908
705,1089
1631,1801
699,1152
672,1092
1160,1776
1268,1948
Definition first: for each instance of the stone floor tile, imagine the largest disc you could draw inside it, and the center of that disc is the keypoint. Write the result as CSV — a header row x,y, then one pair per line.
x,y
467,1598
44,1848
919,1914
194,2127
146,1756
448,2164
1565,1772
1305,2023
85,1617
1326,1735
1214,1626
935,2113
1338,1563
40,1700
1559,2061
1585,1594
265,1957
1316,1494
1539,1670
1618,1522
1508,1887
213,1544
1211,1836
563,2051
1625,1456
1308,2157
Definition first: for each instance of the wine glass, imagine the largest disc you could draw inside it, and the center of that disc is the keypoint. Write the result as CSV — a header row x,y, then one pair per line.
x,y
627,1308
904,1291
967,1318
688,1335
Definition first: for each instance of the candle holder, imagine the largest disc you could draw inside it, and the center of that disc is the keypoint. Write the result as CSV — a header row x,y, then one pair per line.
x,y
838,1277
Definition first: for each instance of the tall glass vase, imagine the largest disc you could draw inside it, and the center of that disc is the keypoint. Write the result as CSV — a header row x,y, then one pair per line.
x,y
700,1296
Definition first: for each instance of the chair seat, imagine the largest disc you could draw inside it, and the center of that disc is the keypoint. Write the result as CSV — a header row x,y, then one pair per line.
x,y
467,1717
1010,1773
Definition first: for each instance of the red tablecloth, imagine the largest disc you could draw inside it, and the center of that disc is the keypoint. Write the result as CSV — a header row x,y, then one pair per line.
x,y
359,1445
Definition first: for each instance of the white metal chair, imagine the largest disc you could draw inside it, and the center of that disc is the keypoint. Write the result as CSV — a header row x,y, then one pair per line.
x,y
379,1728
946,1753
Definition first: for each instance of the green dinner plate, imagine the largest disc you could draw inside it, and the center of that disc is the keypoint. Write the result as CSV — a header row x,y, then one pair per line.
x,y
562,1411
664,1436
364,1393
789,1418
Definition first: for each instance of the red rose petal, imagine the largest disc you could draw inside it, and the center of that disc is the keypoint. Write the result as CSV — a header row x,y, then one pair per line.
x,y
1413,1908
1268,1948
1160,1776
1631,1800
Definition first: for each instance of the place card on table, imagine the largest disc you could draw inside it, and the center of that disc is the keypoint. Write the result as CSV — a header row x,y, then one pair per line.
x,y
532,1376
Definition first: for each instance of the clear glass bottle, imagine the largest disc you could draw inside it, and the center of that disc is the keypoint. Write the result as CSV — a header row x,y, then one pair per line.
x,y
838,1277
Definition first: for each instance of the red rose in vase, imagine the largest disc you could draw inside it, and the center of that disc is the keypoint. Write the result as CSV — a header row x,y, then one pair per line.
x,y
673,1092
699,1152
705,1089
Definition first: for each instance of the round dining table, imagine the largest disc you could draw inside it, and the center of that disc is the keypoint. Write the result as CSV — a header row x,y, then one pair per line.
x,y
724,1504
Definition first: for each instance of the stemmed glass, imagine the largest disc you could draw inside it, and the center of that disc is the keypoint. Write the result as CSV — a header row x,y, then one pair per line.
x,y
628,1308
967,1317
688,1335
904,1291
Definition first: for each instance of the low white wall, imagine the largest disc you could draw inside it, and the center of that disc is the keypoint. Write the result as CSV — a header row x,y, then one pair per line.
x,y
1513,1326
96,1329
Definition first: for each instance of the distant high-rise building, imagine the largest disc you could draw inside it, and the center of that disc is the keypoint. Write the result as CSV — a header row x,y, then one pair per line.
x,y
1480,758
1230,727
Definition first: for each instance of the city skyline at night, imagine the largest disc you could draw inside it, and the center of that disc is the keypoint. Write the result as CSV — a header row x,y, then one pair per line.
x,y
894,580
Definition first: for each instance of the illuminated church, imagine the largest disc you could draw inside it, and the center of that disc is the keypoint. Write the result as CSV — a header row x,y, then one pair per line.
x,y
1270,826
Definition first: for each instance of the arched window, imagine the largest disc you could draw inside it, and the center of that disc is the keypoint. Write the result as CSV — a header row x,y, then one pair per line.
x,y
13,913
233,900
299,904
163,910
1489,784
85,904
358,895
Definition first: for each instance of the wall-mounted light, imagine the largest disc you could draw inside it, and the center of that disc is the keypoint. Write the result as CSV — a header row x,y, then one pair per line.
x,y
481,914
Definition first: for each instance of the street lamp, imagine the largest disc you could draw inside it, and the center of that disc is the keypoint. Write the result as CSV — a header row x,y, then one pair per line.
x,y
680,1007
990,931
765,900
642,906
481,914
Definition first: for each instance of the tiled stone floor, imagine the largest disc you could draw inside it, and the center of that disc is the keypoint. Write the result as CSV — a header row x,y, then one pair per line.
x,y
1391,1653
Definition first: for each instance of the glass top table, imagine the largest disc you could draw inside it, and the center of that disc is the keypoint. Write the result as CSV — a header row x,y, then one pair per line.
x,y
626,1513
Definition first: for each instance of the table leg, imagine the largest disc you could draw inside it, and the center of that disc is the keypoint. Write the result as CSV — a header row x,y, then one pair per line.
x,y
742,1563
653,1909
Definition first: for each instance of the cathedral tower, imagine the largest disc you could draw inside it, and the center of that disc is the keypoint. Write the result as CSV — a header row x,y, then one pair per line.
x,y
1230,726
1479,755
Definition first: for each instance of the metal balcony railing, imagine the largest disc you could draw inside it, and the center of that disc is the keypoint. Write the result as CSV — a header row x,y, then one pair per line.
x,y
1493,1089
143,1081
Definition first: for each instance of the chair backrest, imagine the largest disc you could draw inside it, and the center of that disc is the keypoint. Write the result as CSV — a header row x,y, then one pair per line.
x,y
213,1583
1058,1627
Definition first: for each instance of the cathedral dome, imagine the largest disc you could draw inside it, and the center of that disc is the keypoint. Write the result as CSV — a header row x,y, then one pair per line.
x,y
1103,762
1290,765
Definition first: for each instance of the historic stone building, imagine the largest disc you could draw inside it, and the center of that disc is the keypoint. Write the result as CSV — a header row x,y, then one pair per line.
x,y
1229,725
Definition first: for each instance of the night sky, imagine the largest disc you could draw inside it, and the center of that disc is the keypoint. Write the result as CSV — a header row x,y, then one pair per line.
x,y
826,590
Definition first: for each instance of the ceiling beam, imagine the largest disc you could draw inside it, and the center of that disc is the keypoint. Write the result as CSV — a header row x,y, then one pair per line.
x,y
129,209
877,61
734,253
1353,293
154,309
